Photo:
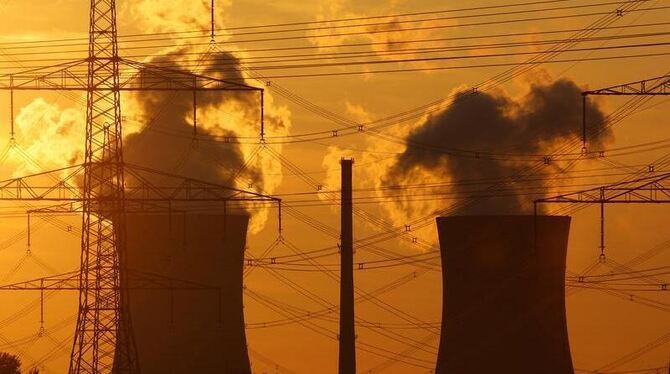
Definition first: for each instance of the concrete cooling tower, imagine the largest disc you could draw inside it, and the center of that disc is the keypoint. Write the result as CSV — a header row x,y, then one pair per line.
x,y
186,331
503,305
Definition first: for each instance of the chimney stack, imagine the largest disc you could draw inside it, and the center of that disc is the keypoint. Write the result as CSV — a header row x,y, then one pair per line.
x,y
347,353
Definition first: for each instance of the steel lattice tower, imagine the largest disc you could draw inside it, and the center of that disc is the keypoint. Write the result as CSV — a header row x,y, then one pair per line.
x,y
100,322
103,339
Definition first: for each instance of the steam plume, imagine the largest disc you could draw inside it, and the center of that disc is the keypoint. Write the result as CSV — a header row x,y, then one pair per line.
x,y
166,141
548,115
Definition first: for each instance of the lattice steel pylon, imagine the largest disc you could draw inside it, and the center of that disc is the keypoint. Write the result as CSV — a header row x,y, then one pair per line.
x,y
103,341
657,86
102,318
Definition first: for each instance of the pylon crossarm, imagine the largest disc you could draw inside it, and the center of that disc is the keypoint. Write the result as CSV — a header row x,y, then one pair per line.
x,y
178,188
136,280
135,76
66,281
139,188
70,74
653,86
131,206
58,209
32,187
651,190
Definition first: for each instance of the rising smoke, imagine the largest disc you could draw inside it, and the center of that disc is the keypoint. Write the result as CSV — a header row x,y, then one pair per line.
x,y
547,116
228,126
166,141
220,115
158,125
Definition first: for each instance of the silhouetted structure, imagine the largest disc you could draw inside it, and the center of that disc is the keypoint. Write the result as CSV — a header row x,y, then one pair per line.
x,y
9,364
347,358
189,331
504,295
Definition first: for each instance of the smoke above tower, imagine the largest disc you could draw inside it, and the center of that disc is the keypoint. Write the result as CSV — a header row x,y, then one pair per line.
x,y
168,142
479,137
223,149
158,126
221,116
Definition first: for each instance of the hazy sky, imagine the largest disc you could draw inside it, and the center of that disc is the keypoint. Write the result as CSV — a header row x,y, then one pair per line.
x,y
602,328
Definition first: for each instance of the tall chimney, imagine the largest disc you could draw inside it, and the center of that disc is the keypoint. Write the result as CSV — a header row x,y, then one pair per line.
x,y
347,360
503,305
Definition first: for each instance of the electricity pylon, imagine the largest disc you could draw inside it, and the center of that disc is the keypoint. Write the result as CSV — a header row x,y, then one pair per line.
x,y
641,188
657,86
103,340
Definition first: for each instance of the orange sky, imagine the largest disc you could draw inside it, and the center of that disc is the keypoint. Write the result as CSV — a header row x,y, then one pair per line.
x,y
601,328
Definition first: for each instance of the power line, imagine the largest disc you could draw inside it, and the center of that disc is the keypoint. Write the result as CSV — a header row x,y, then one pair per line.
x,y
393,17
370,44
366,32
222,60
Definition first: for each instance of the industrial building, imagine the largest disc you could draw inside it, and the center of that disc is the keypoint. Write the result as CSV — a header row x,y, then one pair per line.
x,y
184,331
503,295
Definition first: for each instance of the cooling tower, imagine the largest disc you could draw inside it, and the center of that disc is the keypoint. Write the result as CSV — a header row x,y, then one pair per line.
x,y
503,307
189,331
